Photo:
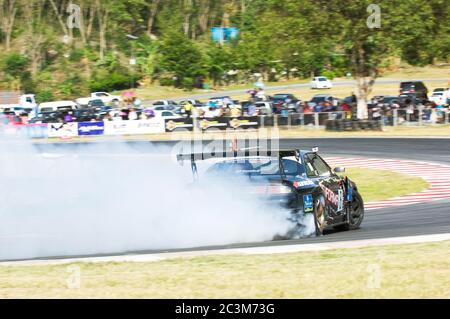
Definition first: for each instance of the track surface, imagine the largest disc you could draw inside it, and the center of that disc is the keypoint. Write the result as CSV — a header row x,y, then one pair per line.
x,y
419,219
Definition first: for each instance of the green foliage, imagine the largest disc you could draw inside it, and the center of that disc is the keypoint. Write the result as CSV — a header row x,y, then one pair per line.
x,y
15,65
329,74
111,82
278,38
180,56
44,96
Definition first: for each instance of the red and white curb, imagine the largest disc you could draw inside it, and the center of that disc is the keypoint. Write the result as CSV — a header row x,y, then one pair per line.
x,y
436,175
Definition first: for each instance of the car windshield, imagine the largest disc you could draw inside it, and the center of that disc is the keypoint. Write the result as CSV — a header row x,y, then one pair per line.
x,y
390,99
318,99
407,85
322,79
254,167
438,94
280,96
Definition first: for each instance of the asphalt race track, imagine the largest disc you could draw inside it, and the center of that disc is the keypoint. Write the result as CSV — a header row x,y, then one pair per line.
x,y
410,220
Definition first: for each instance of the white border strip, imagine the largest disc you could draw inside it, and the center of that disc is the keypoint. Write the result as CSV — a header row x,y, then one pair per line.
x,y
280,249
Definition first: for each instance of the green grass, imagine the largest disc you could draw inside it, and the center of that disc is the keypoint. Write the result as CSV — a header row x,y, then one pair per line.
x,y
376,185
397,271
413,271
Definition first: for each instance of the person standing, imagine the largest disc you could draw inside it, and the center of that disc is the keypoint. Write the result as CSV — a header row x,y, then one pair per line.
x,y
235,112
188,109
68,117
251,110
132,115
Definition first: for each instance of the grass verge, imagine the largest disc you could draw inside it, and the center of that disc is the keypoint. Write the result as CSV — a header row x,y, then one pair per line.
x,y
374,184
155,92
397,271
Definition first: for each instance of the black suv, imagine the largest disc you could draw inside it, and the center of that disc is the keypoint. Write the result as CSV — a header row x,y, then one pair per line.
x,y
416,87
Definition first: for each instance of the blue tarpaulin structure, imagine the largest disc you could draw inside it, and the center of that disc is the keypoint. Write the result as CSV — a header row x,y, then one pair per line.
x,y
220,34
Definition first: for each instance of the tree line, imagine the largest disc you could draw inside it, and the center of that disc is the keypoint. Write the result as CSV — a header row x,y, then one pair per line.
x,y
66,48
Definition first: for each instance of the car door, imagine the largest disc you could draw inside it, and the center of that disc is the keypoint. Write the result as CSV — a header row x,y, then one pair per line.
x,y
329,182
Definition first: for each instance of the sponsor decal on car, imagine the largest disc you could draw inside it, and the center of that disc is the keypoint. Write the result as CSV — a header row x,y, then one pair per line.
x,y
298,184
337,200
308,205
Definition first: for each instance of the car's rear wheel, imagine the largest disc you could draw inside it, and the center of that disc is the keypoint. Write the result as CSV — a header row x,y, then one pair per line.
x,y
319,215
356,214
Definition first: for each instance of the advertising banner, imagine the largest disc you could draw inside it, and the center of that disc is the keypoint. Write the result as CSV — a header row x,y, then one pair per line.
x,y
91,128
219,123
115,127
179,124
243,122
62,130
134,127
146,126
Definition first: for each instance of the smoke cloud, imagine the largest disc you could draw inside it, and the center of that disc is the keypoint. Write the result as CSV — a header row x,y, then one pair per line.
x,y
114,198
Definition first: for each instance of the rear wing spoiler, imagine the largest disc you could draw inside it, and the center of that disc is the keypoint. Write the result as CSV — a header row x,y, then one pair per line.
x,y
194,157
234,154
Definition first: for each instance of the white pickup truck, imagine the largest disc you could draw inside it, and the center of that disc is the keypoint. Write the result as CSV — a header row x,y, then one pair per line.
x,y
104,96
16,102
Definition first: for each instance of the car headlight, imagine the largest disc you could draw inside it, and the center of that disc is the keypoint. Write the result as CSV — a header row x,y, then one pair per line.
x,y
281,189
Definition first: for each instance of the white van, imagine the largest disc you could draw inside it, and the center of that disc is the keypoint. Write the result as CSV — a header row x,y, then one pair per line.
x,y
57,106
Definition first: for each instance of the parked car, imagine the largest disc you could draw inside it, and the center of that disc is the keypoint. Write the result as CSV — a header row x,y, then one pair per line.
x,y
439,98
439,90
84,115
410,98
165,103
47,107
264,108
390,100
47,117
14,99
290,100
195,103
320,98
284,98
321,82
416,87
106,97
221,101
166,115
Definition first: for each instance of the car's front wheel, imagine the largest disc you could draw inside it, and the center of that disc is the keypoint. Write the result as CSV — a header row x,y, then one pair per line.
x,y
356,213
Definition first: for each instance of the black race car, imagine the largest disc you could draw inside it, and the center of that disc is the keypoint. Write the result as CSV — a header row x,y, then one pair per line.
x,y
297,180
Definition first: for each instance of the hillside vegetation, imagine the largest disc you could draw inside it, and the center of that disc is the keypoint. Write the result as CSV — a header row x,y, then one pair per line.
x,y
67,48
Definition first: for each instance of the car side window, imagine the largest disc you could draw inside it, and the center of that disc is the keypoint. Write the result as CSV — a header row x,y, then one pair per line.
x,y
291,168
315,166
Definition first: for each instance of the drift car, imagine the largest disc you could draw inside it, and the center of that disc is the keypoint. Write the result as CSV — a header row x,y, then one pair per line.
x,y
297,180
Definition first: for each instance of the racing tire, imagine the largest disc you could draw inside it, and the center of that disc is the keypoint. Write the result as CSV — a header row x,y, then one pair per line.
x,y
319,215
356,215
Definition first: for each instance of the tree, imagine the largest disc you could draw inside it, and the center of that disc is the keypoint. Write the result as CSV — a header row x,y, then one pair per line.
x,y
180,56
370,34
8,11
